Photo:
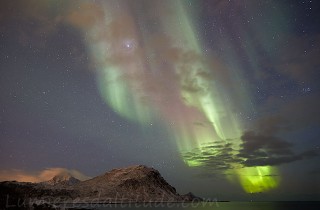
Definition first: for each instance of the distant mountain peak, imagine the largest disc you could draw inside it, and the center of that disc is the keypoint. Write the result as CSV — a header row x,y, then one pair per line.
x,y
65,179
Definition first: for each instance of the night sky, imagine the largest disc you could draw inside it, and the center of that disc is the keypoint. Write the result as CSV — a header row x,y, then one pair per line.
x,y
220,96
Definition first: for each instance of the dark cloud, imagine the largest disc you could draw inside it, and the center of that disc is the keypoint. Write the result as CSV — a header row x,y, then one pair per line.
x,y
262,145
268,150
256,149
254,143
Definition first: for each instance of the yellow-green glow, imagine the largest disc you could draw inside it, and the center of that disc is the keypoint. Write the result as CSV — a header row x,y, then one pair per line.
x,y
193,163
258,179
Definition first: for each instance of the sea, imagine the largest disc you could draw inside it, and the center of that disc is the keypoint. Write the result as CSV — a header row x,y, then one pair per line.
x,y
283,205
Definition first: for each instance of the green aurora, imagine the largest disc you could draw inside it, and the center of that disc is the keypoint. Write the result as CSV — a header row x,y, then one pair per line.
x,y
161,73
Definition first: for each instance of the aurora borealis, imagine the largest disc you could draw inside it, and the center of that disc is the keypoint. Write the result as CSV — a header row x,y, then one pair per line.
x,y
224,92
129,79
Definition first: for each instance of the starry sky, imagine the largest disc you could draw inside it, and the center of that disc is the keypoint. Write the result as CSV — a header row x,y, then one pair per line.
x,y
221,96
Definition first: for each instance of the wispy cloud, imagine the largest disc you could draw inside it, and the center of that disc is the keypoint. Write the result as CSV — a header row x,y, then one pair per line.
x,y
39,176
256,149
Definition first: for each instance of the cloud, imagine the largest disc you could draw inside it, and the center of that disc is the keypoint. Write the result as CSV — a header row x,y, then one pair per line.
x,y
261,145
253,142
267,150
214,156
39,176
256,149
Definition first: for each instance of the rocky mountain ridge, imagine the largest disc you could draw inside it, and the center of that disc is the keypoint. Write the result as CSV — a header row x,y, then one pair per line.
x,y
125,185
135,183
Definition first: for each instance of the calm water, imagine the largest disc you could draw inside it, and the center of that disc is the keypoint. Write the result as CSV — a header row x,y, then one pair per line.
x,y
219,205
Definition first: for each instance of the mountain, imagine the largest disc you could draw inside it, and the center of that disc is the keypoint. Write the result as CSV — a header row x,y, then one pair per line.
x,y
63,180
132,184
